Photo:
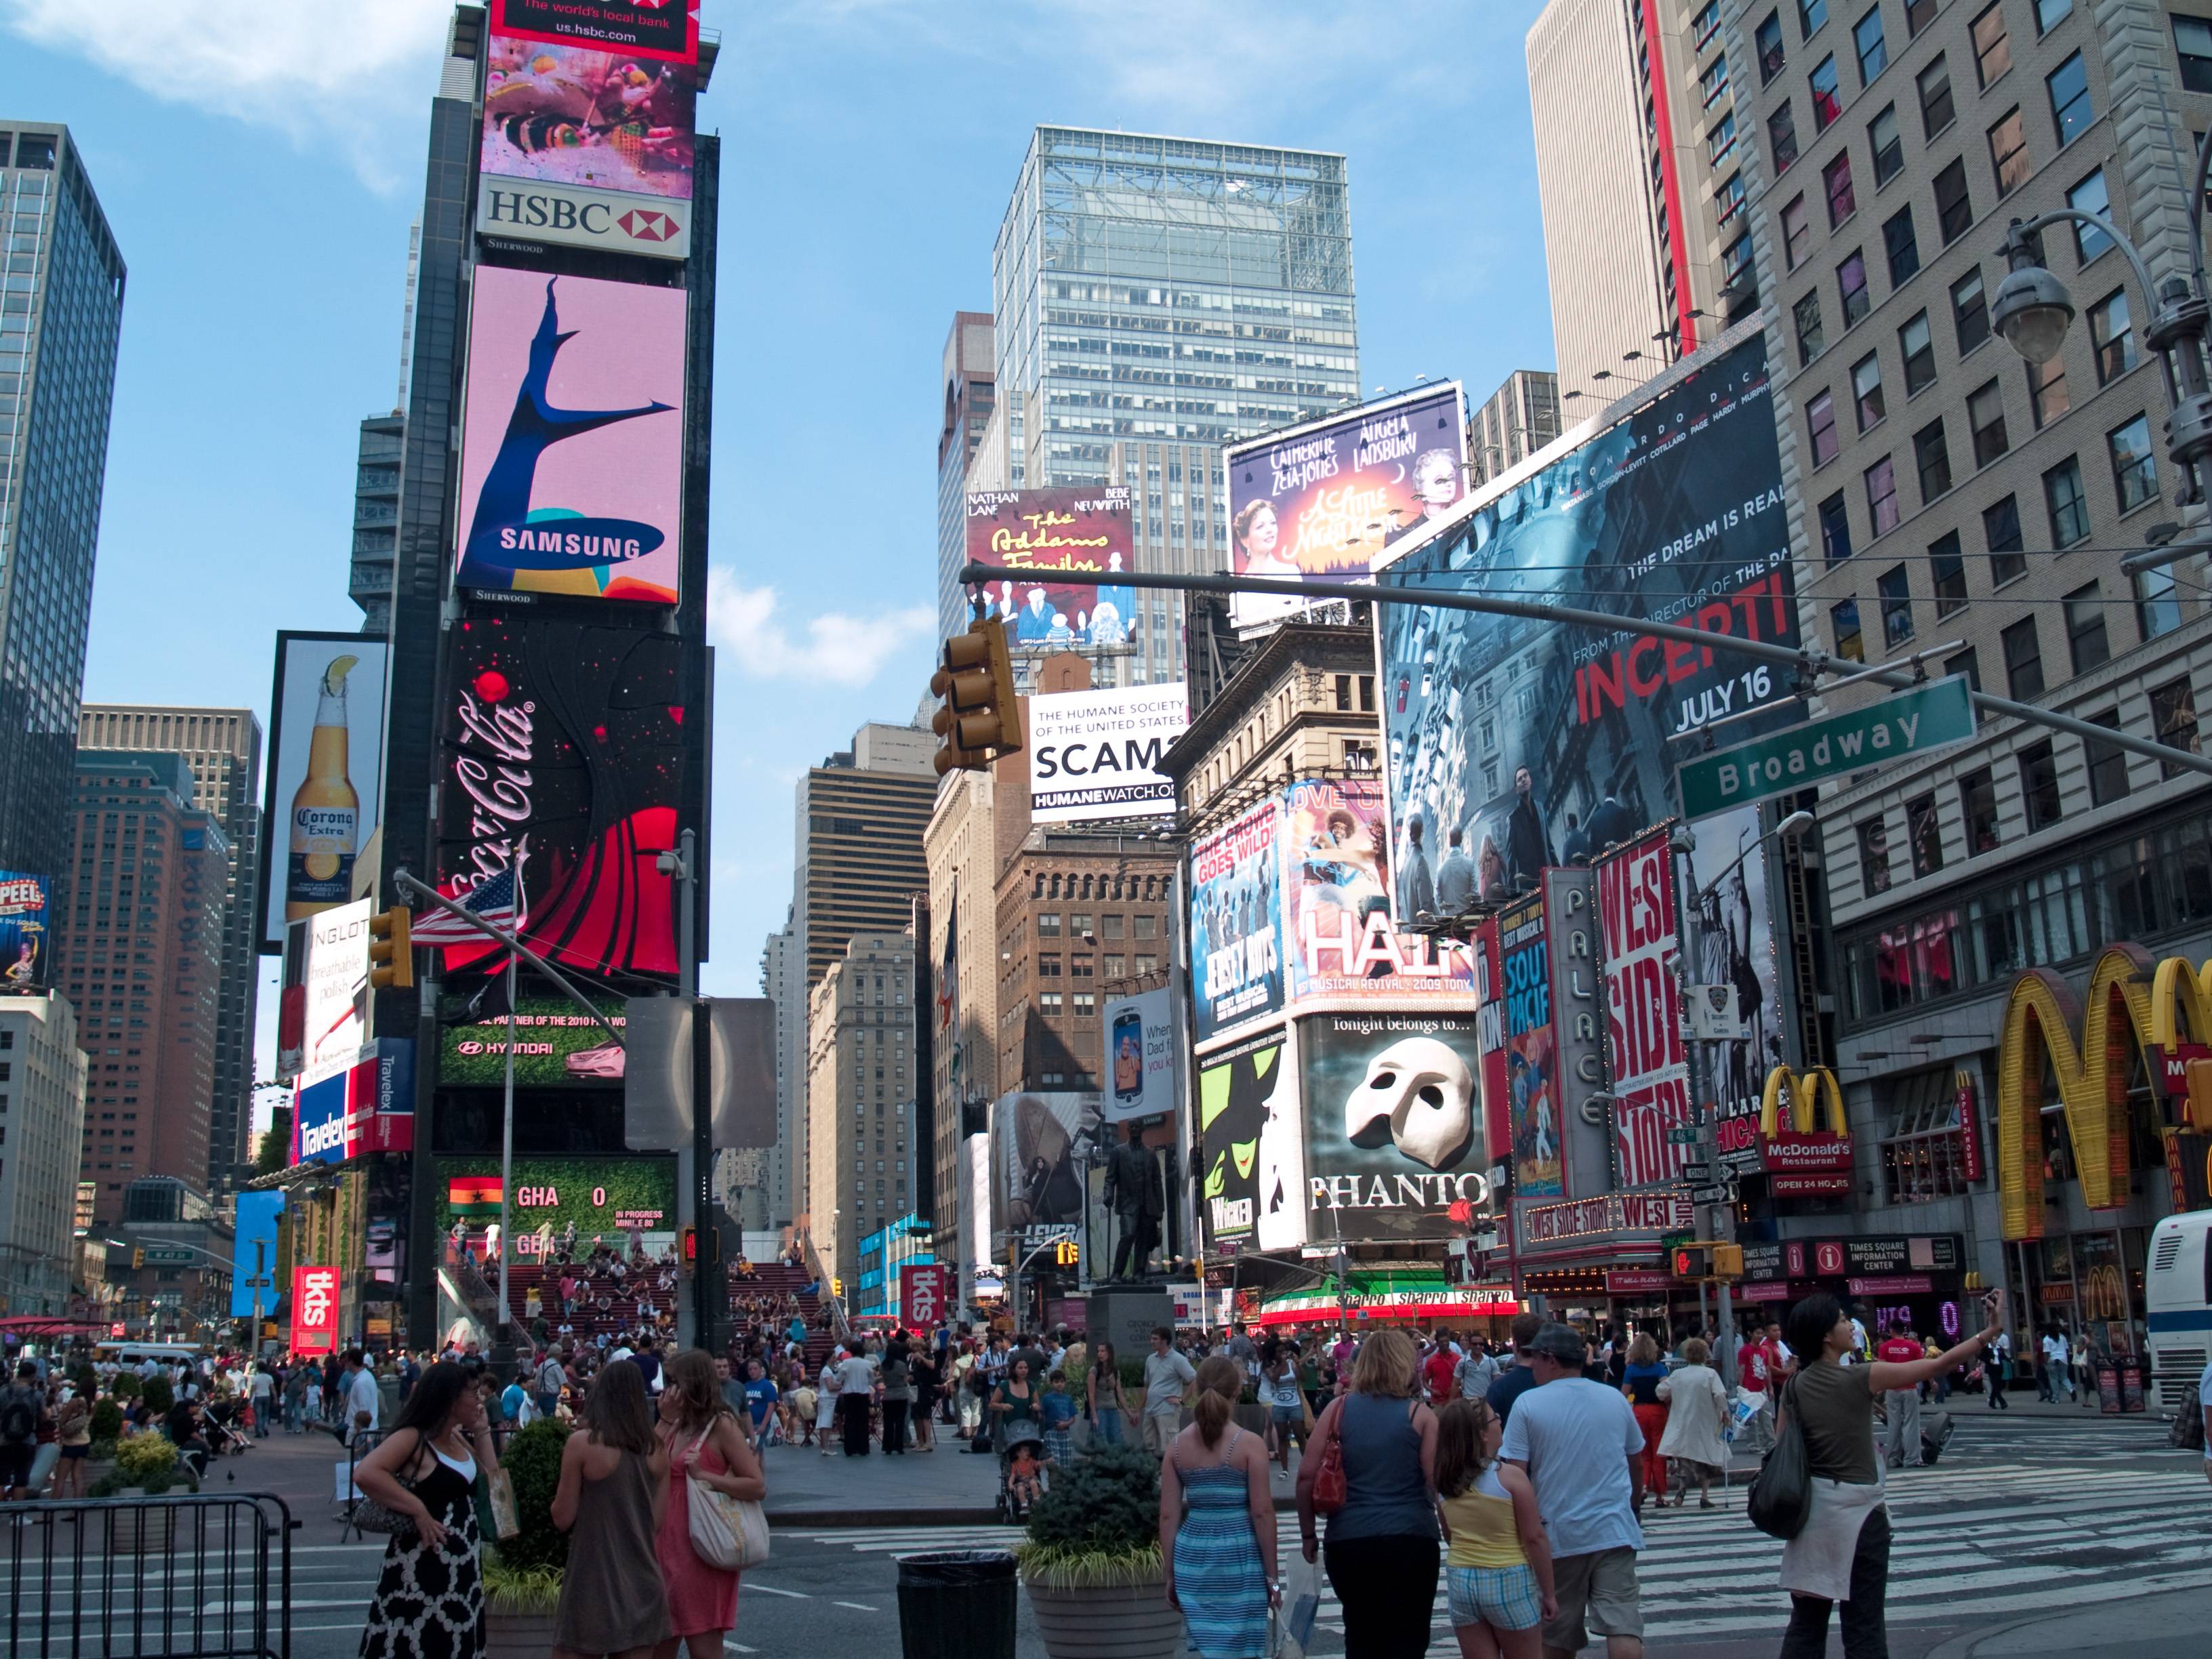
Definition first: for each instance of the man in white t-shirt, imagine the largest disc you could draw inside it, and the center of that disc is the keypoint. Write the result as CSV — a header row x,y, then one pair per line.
x,y
2058,1362
262,1388
358,1389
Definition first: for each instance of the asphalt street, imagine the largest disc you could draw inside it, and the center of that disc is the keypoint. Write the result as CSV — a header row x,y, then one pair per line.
x,y
2036,1535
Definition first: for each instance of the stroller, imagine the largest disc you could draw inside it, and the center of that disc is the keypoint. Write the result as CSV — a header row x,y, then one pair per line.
x,y
226,1431
1025,1472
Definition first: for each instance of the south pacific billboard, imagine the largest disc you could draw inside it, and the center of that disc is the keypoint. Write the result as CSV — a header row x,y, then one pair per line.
x,y
1236,921
1531,1045
1033,1140
1529,743
572,438
26,943
658,31
1394,1130
1076,540
562,764
326,774
1323,501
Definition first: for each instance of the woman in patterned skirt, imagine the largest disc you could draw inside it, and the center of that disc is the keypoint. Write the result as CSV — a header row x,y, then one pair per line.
x,y
1217,1523
429,1597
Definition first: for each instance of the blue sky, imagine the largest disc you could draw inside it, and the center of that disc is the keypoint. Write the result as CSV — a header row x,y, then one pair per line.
x,y
260,170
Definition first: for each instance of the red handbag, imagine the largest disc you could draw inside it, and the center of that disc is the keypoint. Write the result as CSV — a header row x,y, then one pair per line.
x,y
1330,1492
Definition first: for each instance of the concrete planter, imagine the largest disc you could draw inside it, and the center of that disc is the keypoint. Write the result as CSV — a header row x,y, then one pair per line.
x,y
1125,1621
518,1635
140,1531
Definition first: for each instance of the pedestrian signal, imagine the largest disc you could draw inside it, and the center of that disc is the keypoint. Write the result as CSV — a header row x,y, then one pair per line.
x,y
392,949
1728,1260
1066,1253
1692,1261
982,718
691,1246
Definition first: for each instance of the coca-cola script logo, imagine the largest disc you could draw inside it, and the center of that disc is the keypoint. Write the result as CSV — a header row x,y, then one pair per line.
x,y
493,770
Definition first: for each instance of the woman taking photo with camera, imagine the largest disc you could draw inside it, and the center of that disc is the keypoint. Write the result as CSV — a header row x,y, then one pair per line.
x,y
1843,1554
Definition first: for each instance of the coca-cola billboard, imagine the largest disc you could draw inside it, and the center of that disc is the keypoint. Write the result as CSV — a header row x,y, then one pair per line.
x,y
562,764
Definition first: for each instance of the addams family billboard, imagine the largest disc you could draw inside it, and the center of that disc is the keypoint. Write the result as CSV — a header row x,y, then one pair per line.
x,y
1076,540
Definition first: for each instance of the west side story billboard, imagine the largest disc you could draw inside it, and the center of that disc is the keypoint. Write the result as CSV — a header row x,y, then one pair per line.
x,y
1324,499
1538,743
572,438
1077,539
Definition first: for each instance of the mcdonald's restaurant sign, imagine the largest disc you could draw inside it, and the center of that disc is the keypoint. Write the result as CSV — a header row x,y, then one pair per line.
x,y
1803,1159
2157,1015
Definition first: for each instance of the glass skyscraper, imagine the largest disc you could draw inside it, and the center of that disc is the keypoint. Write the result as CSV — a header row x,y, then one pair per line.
x,y
61,312
1155,299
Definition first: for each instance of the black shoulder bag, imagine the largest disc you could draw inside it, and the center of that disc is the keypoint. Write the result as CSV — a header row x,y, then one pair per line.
x,y
1782,1492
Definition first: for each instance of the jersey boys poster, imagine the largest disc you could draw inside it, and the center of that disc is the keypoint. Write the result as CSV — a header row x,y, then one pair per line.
x,y
561,768
1517,744
1235,950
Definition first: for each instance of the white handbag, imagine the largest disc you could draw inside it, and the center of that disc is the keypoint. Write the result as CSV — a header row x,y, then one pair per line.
x,y
727,1532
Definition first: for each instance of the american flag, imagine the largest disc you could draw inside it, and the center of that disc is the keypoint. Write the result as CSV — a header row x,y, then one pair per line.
x,y
494,898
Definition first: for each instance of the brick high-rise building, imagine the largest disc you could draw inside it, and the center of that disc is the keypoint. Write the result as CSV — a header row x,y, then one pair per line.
x,y
863,1154
41,1135
141,957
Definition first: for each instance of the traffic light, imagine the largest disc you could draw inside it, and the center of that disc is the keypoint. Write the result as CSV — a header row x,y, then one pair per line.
x,y
1727,1261
982,718
691,1246
137,1259
1066,1253
836,1287
390,949
1692,1261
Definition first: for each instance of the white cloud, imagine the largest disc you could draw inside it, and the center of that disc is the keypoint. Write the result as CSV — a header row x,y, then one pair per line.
x,y
833,646
357,76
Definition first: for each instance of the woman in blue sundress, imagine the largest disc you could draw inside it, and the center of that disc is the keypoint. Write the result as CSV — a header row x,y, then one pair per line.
x,y
1217,1523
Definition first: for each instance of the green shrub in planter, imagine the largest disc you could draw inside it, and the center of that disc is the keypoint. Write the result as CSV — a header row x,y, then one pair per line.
x,y
107,1421
101,1451
1099,1524
160,1396
532,1461
127,1385
146,1463
1133,1381
523,1592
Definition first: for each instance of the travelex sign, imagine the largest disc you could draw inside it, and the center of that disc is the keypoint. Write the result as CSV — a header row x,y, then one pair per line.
x,y
1910,723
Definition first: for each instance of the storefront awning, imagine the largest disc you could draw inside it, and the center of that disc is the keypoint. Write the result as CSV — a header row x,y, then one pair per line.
x,y
1388,1293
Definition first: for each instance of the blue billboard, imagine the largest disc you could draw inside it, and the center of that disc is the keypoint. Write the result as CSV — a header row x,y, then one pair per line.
x,y
257,1227
24,940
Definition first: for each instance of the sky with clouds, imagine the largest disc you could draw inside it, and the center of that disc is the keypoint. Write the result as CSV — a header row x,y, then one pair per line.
x,y
260,165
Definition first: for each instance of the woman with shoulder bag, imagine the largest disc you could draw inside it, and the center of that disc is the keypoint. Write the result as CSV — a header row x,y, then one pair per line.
x,y
704,1444
1842,1552
429,1597
1379,1442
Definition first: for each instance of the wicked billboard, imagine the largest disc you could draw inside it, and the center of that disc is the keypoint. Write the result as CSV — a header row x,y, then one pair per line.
x,y
1239,1088
561,770
1076,540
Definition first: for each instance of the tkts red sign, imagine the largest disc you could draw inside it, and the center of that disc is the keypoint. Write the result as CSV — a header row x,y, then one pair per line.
x,y
1644,1015
314,1309
921,1295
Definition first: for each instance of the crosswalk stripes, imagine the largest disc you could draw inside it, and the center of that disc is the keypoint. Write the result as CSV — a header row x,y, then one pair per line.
x,y
1979,1537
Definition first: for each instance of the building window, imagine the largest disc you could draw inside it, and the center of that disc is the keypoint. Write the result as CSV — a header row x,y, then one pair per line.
x,y
1821,428
1970,311
2173,721
2023,655
1901,245
1954,211
1873,50
2090,196
1918,14
2069,503
1843,625
1967,662
2111,337
1896,607
2000,535
1866,390
1812,15
1977,804
1721,139
1917,344
2039,786
2158,608
1767,40
2070,109
1924,1157
1715,80
1936,111
1836,179
1835,529
1049,967
1782,138
1923,835
2009,153
2107,763
2049,14
2192,44
1888,148
1992,46
1931,456
2047,394
1047,924
1728,200
2134,472
1947,565
1851,280
1812,337
1874,855
1881,496
1735,261
2085,628
1826,105
1986,417
1796,233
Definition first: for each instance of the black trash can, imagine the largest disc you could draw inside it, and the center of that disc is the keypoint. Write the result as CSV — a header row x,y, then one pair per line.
x,y
957,1604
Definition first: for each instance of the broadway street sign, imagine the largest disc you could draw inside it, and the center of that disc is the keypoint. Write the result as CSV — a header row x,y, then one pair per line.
x,y
1910,723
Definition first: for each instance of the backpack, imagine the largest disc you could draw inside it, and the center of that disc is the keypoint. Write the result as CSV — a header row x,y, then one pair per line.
x,y
2187,1430
19,1416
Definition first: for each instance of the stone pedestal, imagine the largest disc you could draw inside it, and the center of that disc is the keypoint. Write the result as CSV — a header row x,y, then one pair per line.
x,y
1125,1313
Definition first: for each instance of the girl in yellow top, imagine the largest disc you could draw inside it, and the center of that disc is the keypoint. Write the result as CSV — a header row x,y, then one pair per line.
x,y
1498,1569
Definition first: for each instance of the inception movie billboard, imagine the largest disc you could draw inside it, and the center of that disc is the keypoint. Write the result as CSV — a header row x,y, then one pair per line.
x,y
25,947
560,765
572,438
1322,501
657,30
1077,539
1526,743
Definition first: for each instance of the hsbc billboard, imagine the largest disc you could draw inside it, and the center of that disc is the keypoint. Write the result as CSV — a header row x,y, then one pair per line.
x,y
574,217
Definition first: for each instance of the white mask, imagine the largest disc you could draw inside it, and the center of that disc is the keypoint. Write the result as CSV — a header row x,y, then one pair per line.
x,y
1419,1094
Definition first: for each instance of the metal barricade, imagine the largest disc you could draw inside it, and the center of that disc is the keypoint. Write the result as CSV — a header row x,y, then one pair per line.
x,y
186,1577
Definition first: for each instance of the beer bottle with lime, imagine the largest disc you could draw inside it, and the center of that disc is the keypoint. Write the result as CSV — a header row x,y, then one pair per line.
x,y
325,810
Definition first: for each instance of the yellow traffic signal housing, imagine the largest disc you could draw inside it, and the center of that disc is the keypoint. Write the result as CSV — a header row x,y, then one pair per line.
x,y
1066,1253
137,1259
390,949
982,718
1727,1261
